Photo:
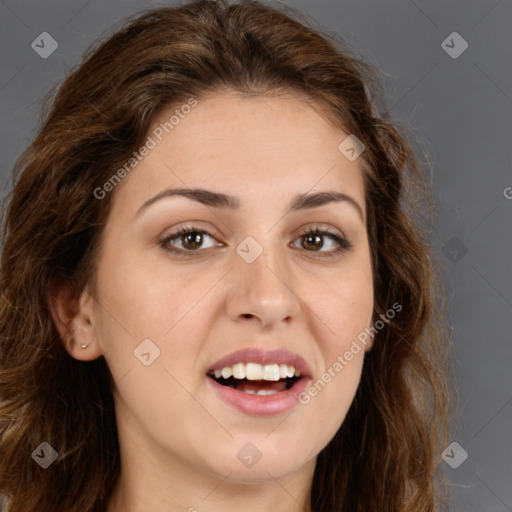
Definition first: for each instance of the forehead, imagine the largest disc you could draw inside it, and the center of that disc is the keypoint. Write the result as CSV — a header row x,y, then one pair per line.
x,y
270,146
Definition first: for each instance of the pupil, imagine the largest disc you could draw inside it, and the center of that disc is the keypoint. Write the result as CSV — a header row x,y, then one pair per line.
x,y
192,240
314,241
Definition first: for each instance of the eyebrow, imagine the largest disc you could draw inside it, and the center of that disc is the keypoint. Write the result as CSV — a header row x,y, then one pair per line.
x,y
218,200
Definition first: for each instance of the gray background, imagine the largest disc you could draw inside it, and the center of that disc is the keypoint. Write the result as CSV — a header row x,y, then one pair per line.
x,y
457,109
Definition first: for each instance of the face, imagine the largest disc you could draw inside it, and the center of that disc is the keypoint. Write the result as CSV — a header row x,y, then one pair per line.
x,y
256,270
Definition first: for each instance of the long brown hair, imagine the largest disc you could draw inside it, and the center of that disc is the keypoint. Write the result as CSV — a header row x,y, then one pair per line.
x,y
385,456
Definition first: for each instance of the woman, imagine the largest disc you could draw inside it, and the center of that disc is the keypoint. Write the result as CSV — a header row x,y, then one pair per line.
x,y
215,291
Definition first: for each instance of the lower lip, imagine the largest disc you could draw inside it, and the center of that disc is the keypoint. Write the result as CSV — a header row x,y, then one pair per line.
x,y
260,405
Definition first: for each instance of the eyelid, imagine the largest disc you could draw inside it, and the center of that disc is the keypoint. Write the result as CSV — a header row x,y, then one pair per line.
x,y
191,226
324,228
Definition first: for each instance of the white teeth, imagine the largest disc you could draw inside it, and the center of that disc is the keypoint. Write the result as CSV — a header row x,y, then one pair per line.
x,y
262,392
239,371
255,371
271,372
227,372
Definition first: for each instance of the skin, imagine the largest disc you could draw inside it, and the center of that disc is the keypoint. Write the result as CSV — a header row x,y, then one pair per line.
x,y
178,440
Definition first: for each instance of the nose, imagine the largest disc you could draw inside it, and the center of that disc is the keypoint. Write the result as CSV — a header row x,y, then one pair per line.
x,y
263,291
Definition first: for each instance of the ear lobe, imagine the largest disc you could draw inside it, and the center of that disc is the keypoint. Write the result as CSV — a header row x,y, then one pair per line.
x,y
73,317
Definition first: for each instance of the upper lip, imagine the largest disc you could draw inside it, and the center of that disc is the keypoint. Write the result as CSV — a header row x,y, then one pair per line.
x,y
260,356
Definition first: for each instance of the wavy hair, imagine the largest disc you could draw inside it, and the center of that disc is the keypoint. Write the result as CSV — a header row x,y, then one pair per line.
x,y
386,454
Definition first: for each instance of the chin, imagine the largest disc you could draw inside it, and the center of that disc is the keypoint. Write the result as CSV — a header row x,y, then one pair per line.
x,y
259,461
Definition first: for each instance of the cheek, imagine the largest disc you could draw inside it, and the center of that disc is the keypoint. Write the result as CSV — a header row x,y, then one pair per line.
x,y
344,304
148,297
142,299
345,307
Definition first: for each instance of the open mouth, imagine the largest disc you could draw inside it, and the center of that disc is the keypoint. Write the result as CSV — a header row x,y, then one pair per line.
x,y
256,379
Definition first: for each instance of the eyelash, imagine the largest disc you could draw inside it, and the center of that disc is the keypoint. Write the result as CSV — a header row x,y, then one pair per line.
x,y
343,244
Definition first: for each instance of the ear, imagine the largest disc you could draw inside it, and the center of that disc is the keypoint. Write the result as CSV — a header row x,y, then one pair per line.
x,y
73,316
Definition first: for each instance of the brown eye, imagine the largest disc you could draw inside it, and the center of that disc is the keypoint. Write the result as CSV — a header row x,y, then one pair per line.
x,y
188,240
312,242
192,240
323,242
